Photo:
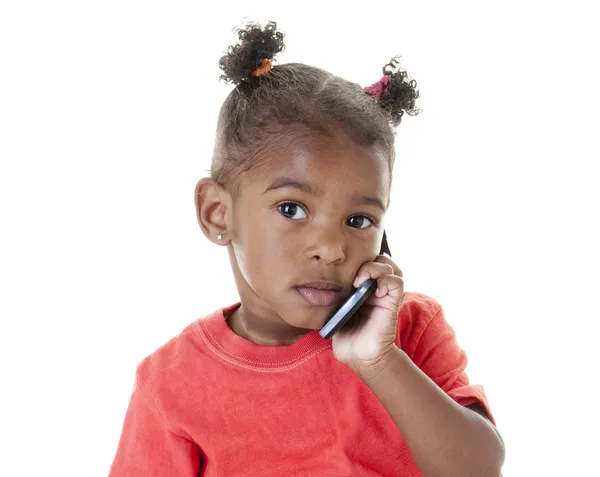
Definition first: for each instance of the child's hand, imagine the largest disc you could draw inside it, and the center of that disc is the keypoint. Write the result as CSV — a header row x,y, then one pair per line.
x,y
364,341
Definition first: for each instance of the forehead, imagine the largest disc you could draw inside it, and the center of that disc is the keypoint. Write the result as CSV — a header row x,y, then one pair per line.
x,y
328,163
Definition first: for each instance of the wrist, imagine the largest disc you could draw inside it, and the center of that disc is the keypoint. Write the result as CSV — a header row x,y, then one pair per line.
x,y
372,369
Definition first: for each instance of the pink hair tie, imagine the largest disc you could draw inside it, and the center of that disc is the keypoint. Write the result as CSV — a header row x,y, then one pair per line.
x,y
380,88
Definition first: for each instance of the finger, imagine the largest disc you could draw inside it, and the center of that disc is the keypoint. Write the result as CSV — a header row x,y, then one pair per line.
x,y
372,270
391,285
388,260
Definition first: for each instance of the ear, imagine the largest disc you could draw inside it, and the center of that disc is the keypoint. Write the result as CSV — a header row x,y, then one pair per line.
x,y
213,203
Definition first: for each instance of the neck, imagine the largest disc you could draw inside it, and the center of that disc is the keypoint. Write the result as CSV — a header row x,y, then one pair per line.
x,y
263,333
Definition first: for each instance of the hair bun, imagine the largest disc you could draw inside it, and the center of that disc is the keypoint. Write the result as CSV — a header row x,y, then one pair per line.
x,y
248,57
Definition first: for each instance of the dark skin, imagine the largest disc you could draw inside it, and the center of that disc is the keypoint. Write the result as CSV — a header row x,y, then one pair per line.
x,y
286,236
279,238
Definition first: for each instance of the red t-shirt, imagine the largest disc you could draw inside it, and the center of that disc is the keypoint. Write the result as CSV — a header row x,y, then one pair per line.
x,y
209,402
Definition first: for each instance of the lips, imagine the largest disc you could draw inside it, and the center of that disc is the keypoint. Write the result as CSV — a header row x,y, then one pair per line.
x,y
321,285
320,293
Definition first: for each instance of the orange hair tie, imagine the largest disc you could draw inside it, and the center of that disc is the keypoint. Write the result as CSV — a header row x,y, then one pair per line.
x,y
265,68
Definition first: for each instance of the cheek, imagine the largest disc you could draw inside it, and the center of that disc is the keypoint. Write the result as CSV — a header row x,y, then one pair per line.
x,y
267,255
261,252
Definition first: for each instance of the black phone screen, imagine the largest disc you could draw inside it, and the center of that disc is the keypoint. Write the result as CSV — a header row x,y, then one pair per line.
x,y
354,301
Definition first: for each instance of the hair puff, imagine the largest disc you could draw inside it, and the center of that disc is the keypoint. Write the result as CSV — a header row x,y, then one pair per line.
x,y
398,93
256,45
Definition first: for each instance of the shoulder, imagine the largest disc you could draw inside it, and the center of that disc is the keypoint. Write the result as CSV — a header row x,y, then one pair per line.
x,y
175,364
167,357
177,360
419,303
417,311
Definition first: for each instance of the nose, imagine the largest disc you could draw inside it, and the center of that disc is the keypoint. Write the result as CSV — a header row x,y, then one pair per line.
x,y
327,246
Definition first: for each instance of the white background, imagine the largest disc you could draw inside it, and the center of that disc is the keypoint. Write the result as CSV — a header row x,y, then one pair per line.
x,y
107,120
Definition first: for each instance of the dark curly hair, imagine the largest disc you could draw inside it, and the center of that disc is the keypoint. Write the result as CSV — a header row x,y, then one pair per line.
x,y
269,101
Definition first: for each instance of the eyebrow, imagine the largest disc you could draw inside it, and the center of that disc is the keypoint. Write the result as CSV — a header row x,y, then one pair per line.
x,y
283,182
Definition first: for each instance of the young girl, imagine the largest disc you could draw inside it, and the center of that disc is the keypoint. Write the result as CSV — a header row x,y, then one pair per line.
x,y
298,190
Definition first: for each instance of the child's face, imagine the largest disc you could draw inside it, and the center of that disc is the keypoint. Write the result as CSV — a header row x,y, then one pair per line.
x,y
290,235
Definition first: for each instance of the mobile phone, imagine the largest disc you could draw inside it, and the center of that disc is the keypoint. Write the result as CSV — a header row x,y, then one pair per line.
x,y
354,301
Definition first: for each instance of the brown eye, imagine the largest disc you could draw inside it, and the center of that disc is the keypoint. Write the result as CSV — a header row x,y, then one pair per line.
x,y
291,209
359,222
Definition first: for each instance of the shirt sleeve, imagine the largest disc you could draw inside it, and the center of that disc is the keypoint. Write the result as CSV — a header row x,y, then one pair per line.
x,y
439,356
147,447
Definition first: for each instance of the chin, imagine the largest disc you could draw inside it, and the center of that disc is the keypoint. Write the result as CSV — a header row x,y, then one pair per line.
x,y
312,320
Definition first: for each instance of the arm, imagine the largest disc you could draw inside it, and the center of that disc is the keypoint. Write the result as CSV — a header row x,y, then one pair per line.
x,y
476,407
147,446
445,438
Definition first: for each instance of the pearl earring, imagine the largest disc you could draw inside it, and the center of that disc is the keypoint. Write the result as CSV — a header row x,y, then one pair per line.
x,y
220,236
